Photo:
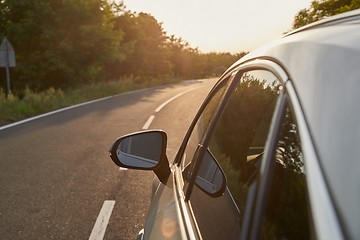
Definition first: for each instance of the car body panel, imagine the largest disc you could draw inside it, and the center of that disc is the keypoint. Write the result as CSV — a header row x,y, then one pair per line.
x,y
324,215
163,218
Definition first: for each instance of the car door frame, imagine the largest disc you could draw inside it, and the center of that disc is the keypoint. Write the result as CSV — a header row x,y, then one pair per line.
x,y
324,227
235,73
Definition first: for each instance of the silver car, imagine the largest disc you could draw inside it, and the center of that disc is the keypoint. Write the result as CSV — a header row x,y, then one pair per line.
x,y
274,151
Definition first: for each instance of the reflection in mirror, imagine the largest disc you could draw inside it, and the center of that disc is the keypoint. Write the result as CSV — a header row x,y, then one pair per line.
x,y
209,177
141,150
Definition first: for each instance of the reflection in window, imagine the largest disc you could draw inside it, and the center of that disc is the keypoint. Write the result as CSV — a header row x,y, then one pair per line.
x,y
209,176
286,216
237,143
202,124
239,139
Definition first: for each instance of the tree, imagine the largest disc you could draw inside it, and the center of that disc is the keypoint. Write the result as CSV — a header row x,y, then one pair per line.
x,y
145,45
184,59
323,8
65,43
60,43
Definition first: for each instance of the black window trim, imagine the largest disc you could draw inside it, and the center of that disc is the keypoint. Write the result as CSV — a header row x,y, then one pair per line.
x,y
255,211
266,169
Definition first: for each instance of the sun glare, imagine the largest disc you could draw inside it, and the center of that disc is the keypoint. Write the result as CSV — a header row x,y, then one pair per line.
x,y
232,26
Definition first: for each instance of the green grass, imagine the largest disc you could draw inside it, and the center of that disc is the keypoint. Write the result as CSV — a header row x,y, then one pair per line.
x,y
14,108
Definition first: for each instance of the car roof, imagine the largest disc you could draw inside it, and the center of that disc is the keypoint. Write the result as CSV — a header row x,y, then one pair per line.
x,y
323,63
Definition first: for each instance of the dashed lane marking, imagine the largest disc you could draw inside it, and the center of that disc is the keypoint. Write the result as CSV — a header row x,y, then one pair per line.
x,y
158,109
148,122
102,221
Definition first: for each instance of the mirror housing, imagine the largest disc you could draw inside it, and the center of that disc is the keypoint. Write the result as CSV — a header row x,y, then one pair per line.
x,y
145,150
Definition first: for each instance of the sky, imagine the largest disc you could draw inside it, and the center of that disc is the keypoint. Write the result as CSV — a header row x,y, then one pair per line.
x,y
222,25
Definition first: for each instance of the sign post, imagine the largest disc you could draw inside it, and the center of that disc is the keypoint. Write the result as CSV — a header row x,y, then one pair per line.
x,y
7,59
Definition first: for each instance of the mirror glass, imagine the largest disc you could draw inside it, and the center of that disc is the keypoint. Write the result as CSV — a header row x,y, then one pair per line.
x,y
210,177
141,150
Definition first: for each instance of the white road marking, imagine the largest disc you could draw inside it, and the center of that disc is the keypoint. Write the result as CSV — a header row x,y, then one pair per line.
x,y
50,113
66,108
148,122
86,103
158,109
102,221
192,81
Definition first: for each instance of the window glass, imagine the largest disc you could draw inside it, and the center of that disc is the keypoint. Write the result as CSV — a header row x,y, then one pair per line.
x,y
286,215
237,143
203,123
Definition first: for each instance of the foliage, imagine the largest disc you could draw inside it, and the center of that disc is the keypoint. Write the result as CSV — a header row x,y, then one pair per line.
x,y
323,8
13,108
250,105
60,43
145,40
69,43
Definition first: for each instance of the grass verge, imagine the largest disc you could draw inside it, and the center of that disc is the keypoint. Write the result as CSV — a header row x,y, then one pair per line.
x,y
14,108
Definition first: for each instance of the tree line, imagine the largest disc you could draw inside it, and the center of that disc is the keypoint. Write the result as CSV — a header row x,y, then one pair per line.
x,y
67,43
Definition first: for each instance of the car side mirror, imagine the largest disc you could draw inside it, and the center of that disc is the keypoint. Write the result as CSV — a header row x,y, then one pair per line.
x,y
144,150
210,178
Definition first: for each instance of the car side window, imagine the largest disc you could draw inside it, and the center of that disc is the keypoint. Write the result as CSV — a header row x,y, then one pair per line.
x,y
203,123
237,143
287,212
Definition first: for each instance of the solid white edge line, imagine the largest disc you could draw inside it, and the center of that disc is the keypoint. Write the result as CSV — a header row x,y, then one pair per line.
x,y
50,113
102,221
86,103
158,109
66,108
148,122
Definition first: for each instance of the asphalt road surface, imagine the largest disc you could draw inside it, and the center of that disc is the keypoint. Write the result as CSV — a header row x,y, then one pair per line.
x,y
57,176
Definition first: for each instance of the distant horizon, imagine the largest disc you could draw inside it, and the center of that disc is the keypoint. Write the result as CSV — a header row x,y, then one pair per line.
x,y
225,27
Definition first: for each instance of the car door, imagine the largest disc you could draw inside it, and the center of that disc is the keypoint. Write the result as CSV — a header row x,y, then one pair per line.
x,y
238,137
202,128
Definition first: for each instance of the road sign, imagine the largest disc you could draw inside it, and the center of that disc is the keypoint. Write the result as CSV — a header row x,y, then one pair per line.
x,y
7,54
7,60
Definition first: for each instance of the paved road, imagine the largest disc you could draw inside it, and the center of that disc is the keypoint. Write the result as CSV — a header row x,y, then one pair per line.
x,y
56,173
